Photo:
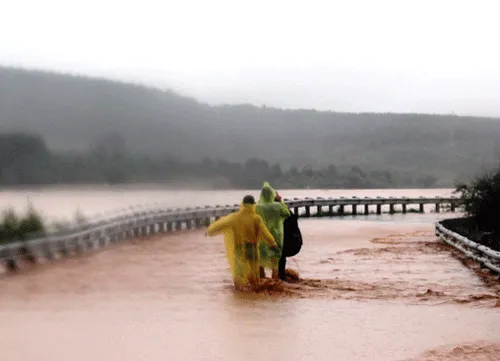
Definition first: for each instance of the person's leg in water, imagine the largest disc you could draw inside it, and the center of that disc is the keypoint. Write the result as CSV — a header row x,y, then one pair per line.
x,y
275,262
272,257
282,268
274,268
263,254
275,274
238,275
262,272
253,259
274,271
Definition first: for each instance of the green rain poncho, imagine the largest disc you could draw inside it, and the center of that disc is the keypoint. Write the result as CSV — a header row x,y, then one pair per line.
x,y
273,213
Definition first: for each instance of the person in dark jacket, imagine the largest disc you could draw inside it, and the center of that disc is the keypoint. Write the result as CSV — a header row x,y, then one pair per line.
x,y
292,242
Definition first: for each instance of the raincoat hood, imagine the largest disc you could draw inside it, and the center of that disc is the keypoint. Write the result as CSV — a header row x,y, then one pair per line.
x,y
267,194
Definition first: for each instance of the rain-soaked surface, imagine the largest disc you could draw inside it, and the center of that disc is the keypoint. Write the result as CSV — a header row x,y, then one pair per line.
x,y
370,290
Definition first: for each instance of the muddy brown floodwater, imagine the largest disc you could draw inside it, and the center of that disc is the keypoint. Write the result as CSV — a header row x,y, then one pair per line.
x,y
369,291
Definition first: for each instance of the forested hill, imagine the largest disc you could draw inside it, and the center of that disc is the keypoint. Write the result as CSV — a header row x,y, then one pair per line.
x,y
76,113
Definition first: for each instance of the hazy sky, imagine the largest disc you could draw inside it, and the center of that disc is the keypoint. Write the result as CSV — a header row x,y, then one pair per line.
x,y
376,55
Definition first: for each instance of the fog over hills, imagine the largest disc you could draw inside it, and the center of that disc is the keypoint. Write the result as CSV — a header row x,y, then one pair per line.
x,y
72,113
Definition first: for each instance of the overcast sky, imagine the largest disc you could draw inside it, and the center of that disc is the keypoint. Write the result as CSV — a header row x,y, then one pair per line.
x,y
376,55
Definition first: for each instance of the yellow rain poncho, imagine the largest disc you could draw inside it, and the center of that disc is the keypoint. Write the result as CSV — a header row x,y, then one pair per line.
x,y
273,213
242,232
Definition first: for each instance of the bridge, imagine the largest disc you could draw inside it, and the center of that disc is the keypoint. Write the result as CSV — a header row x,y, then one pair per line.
x,y
154,219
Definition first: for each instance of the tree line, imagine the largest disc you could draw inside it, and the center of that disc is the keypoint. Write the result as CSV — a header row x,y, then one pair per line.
x,y
26,160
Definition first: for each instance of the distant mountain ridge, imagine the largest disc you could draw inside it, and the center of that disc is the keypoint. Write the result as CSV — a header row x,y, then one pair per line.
x,y
72,113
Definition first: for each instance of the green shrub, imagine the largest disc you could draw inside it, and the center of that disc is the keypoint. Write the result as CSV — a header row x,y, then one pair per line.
x,y
9,226
14,228
481,198
31,224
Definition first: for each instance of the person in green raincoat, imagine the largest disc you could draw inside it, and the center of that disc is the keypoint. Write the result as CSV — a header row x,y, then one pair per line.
x,y
243,230
273,213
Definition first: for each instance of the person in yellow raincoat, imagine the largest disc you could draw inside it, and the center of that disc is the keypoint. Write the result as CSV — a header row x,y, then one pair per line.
x,y
273,213
243,230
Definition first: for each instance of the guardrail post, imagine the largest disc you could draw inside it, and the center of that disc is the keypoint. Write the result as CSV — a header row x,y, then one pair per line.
x,y
354,209
404,208
63,250
421,207
308,211
144,228
178,225
437,207
11,260
367,210
27,253
93,241
89,239
161,226
80,245
341,210
47,250
152,228
103,239
379,209
319,211
114,234
123,231
11,264
136,231
129,231
391,208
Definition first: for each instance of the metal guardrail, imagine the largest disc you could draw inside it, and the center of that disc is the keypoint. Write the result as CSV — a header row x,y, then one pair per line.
x,y
145,220
478,252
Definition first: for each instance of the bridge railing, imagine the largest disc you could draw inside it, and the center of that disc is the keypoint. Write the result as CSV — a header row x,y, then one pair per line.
x,y
146,220
478,252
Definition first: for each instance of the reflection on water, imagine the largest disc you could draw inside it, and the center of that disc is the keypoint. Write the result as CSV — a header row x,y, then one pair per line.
x,y
370,290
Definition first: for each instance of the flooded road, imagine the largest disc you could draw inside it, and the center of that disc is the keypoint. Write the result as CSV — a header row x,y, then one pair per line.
x,y
371,289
